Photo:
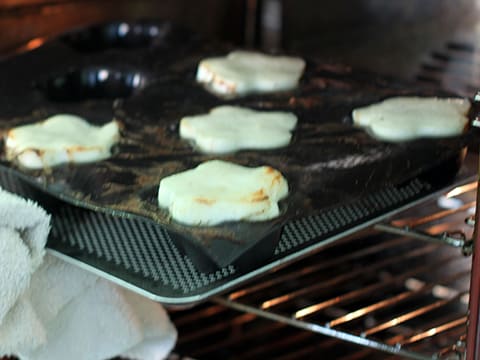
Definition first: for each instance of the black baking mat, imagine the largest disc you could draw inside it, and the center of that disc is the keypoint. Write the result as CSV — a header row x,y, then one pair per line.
x,y
147,259
330,163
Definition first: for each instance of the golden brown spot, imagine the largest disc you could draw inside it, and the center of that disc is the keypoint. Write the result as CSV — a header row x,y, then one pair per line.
x,y
259,196
276,175
270,170
79,148
231,87
205,201
40,152
75,149
222,82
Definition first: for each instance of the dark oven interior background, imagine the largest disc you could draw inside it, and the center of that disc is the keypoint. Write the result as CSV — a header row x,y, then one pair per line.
x,y
390,37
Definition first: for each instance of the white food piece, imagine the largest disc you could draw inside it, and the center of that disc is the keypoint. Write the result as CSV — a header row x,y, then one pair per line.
x,y
231,128
407,118
243,72
60,139
218,191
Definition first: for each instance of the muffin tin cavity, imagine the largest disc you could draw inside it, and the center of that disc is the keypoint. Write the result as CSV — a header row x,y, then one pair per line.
x,y
122,35
94,82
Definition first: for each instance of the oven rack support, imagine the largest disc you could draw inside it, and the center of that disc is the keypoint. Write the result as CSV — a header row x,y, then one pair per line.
x,y
473,331
455,239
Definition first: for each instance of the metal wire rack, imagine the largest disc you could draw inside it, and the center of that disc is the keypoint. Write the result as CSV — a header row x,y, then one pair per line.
x,y
399,288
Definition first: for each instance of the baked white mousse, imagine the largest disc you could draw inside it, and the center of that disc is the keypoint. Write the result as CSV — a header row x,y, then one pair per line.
x,y
407,118
217,191
231,128
60,139
244,72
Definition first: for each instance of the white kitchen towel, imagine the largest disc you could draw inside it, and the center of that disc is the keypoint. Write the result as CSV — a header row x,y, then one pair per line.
x,y
65,312
24,227
101,322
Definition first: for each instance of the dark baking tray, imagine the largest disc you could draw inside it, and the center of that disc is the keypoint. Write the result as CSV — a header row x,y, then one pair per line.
x,y
144,257
151,86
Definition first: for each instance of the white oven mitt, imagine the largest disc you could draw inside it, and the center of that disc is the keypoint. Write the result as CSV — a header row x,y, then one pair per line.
x,y
58,311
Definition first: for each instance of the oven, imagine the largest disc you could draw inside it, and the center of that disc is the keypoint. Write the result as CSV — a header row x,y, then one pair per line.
x,y
400,285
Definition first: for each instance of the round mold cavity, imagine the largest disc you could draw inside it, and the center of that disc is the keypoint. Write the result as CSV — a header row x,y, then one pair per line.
x,y
93,82
123,35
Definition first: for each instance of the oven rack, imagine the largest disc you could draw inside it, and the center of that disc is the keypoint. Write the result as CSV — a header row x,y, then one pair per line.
x,y
397,289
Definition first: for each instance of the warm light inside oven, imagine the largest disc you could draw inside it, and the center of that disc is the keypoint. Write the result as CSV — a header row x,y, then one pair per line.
x,y
461,189
34,43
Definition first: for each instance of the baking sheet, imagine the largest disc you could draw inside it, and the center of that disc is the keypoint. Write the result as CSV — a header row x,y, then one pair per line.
x,y
329,162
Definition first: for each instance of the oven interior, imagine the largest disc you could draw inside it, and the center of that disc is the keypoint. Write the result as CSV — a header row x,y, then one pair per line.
x,y
390,292
397,290
381,294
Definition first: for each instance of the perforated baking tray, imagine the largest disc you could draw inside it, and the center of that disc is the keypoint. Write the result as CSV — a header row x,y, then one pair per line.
x,y
147,259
